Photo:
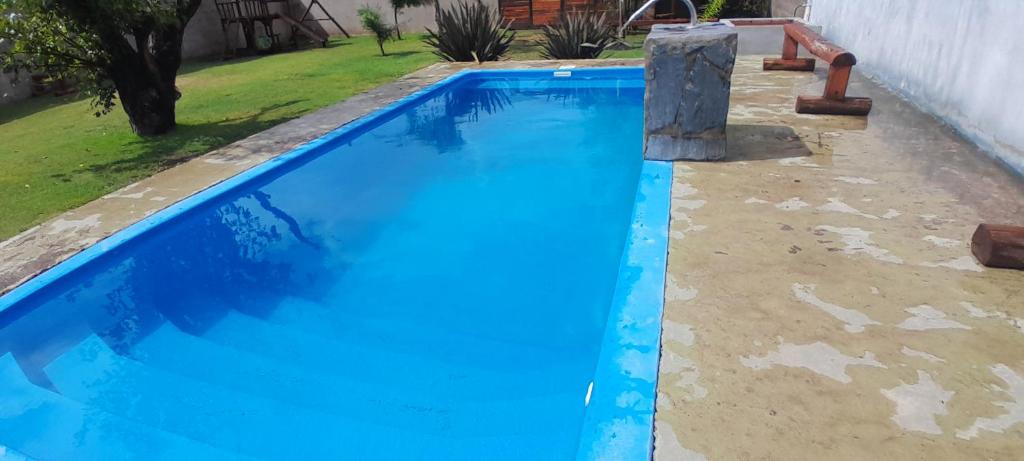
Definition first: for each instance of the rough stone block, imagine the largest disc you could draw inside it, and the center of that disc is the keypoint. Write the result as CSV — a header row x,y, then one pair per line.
x,y
686,102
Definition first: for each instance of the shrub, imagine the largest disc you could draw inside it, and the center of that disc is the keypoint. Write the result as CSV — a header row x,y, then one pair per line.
x,y
577,35
712,10
470,31
372,22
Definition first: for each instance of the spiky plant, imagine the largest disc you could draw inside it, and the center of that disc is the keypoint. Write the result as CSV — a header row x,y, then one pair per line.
x,y
577,35
372,22
712,10
470,31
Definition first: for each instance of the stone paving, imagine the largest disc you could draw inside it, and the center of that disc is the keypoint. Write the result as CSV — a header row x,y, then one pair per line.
x,y
821,300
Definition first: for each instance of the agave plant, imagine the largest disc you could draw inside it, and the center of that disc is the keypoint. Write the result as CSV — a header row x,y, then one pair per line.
x,y
470,31
577,35
712,10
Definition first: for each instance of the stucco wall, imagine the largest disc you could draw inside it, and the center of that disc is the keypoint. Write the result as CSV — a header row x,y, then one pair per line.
x,y
411,20
203,36
10,92
785,8
957,60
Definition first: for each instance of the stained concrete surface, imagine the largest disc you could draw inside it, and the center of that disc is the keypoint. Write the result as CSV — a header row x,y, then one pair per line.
x,y
822,302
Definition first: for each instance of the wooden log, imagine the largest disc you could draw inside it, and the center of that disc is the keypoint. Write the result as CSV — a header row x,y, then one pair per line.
x,y
818,46
822,105
998,245
798,64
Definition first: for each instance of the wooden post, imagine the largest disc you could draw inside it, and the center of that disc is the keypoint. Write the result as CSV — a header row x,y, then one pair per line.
x,y
835,84
999,246
789,60
789,47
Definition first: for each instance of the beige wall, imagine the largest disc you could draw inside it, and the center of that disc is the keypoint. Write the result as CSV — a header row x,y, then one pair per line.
x,y
203,37
785,8
10,92
411,20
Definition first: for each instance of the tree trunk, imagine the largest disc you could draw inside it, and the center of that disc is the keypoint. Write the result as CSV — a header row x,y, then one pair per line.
x,y
397,30
381,45
146,98
142,60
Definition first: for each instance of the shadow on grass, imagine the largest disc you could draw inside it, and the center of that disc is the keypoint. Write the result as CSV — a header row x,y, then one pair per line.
x,y
27,107
398,54
186,142
201,63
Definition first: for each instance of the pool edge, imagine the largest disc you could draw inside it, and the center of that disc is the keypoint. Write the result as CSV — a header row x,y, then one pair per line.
x,y
645,253
619,419
302,150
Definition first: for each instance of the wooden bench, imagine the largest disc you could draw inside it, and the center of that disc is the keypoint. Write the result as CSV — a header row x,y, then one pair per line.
x,y
840,61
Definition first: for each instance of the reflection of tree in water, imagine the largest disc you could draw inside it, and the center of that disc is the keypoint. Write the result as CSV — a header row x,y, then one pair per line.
x,y
225,262
212,263
236,256
436,122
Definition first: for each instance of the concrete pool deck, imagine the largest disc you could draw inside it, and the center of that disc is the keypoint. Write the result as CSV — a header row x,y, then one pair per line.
x,y
821,300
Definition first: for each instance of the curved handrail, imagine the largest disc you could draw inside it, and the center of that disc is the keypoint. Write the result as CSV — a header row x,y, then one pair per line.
x,y
694,19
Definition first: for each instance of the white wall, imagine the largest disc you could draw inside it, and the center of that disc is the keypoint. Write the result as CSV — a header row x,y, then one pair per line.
x,y
960,60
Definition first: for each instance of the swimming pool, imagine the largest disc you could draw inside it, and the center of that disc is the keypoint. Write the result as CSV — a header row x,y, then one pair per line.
x,y
474,272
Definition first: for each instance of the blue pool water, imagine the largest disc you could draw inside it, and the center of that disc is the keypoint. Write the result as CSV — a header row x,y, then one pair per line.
x,y
434,283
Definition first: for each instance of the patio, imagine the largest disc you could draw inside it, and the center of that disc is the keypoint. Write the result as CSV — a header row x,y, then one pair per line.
x,y
822,301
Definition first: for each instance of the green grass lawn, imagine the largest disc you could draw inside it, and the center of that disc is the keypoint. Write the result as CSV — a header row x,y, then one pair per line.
x,y
54,155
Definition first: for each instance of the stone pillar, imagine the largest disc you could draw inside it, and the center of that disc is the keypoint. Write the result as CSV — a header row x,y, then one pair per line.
x,y
686,102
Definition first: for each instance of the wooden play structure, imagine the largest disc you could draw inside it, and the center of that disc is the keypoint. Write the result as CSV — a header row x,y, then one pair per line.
x,y
840,61
254,15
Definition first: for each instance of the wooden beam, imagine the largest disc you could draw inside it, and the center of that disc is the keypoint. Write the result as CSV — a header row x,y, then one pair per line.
x,y
760,21
798,64
818,46
999,246
823,105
